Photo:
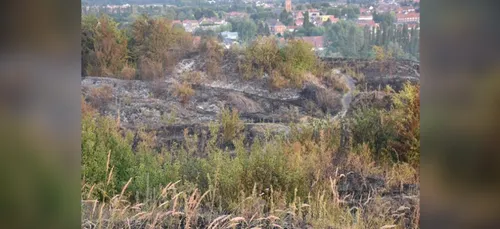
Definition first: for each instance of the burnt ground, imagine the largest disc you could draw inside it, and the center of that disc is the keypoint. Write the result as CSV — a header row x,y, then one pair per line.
x,y
152,105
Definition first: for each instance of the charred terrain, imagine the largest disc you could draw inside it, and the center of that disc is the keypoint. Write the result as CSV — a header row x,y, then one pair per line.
x,y
153,105
358,190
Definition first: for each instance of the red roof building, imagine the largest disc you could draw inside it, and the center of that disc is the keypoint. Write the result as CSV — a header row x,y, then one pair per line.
x,y
316,41
299,22
299,15
236,14
408,17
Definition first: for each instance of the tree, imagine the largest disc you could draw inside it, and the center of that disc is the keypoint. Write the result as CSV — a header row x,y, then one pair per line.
x,y
213,53
109,46
246,28
286,18
87,41
352,13
182,16
267,30
384,18
334,11
156,45
346,38
307,24
316,31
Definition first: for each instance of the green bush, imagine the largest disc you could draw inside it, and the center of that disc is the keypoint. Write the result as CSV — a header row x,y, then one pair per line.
x,y
231,124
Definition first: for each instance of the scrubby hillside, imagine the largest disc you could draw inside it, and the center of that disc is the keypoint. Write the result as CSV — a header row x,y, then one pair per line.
x,y
268,137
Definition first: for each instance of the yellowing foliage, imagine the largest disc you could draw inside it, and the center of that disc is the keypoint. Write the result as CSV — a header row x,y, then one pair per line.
x,y
184,91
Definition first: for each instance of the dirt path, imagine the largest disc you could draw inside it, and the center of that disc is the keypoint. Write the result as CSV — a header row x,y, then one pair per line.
x,y
347,98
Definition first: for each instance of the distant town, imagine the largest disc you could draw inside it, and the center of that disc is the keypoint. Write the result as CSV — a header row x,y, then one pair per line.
x,y
238,22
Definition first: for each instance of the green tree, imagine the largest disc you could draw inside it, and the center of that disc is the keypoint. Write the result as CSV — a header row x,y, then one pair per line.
x,y
351,12
246,28
346,38
334,11
286,18
384,18
87,41
307,24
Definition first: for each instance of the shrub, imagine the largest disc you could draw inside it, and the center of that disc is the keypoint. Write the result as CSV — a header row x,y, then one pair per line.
x,y
193,77
336,82
264,52
245,68
100,97
299,54
213,53
128,72
394,134
231,124
184,91
406,113
149,69
328,101
277,81
106,155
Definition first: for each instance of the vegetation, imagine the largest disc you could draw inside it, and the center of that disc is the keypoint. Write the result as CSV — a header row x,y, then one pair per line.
x,y
218,178
184,91
156,45
124,173
246,28
213,53
286,65
347,38
231,125
151,45
392,135
105,47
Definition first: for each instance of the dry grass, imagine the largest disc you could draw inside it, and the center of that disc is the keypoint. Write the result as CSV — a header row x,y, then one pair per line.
x,y
277,81
194,77
149,69
184,91
173,208
99,97
128,72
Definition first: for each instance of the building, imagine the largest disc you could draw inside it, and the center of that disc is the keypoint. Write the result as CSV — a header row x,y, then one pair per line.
x,y
316,41
292,28
288,6
236,14
299,22
371,24
299,15
408,17
275,26
190,25
365,17
229,35
324,18
313,14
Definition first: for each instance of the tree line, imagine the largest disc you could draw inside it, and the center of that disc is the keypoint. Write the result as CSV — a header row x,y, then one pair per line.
x,y
352,41
145,49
